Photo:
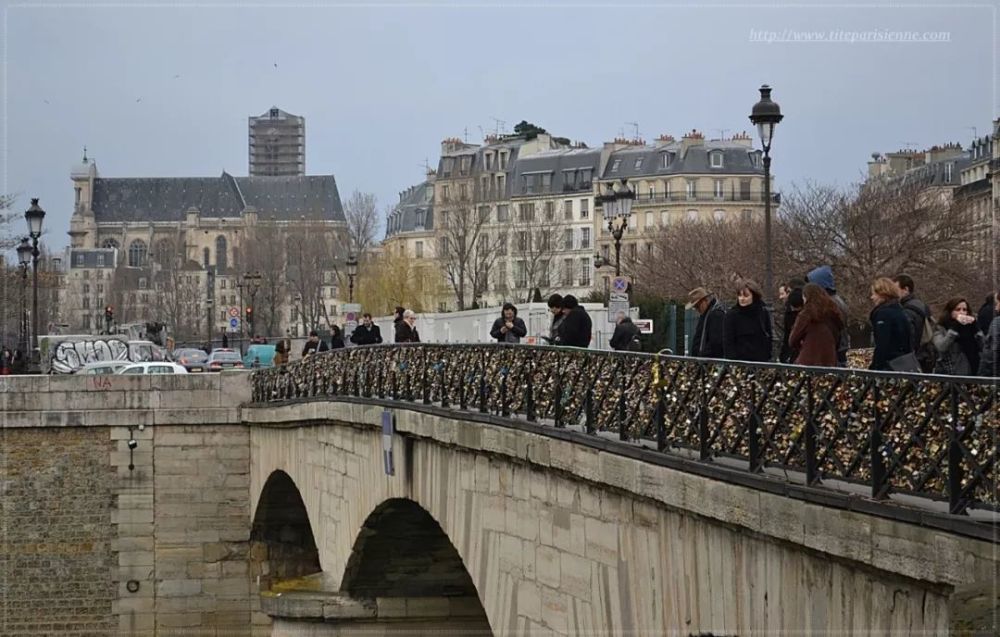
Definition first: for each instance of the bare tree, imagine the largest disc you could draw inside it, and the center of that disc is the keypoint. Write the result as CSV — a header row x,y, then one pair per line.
x,y
467,251
263,252
535,236
362,216
311,255
178,289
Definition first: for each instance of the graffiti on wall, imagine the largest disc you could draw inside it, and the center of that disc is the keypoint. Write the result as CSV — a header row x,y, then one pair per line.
x,y
69,356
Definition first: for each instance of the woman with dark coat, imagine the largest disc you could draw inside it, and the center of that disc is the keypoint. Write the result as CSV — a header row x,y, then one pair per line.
x,y
792,298
957,340
747,334
336,337
987,313
397,320
816,333
890,327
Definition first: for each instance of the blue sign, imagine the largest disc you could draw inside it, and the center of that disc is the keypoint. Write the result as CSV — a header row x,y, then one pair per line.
x,y
387,431
234,323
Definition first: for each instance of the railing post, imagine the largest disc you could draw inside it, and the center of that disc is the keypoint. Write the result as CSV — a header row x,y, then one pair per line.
x,y
380,379
557,408
704,452
588,411
659,417
875,436
753,436
444,383
529,392
357,380
956,505
812,461
504,407
423,381
622,422
463,403
482,385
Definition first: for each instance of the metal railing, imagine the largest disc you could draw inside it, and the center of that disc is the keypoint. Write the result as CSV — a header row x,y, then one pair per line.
x,y
923,435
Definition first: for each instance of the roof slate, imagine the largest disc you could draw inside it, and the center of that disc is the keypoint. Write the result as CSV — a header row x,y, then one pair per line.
x,y
169,198
695,160
414,200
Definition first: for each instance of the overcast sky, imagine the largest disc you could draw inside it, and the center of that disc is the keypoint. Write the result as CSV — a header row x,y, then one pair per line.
x,y
166,91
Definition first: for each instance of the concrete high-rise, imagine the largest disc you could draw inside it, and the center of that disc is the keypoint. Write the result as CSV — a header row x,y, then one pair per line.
x,y
277,144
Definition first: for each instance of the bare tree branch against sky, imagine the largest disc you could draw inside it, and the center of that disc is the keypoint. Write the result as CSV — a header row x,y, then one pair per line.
x,y
166,91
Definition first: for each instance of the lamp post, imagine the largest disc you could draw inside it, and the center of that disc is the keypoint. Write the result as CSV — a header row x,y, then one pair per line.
x,y
34,216
765,116
23,259
352,271
251,283
616,205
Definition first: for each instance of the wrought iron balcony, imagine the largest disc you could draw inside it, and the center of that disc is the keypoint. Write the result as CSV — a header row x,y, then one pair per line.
x,y
922,435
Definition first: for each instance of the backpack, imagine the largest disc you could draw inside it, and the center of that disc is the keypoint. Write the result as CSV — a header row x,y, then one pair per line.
x,y
926,353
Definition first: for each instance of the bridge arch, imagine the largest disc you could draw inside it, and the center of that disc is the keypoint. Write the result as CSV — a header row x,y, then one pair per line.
x,y
282,544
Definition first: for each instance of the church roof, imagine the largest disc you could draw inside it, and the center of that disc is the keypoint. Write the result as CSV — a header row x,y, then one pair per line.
x,y
314,197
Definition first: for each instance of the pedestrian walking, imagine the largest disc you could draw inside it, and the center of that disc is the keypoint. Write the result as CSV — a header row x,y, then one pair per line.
x,y
823,277
890,330
406,329
987,312
747,332
790,294
575,329
555,309
225,340
397,320
816,332
989,362
367,333
508,328
957,340
336,337
921,325
626,335
709,334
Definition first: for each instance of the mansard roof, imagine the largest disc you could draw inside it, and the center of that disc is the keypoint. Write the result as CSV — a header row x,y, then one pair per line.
x,y
693,159
314,197
415,210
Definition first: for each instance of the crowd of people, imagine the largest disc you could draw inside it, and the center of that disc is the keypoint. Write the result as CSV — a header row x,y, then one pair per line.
x,y
906,335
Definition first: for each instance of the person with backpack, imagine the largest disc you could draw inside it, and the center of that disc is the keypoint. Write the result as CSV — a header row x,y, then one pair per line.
x,y
626,335
921,325
747,331
958,340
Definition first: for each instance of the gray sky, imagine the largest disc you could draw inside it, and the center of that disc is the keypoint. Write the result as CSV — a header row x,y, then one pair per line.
x,y
381,86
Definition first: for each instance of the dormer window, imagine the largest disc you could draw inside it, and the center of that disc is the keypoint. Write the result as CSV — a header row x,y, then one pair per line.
x,y
638,164
755,160
666,159
716,159
274,113
615,165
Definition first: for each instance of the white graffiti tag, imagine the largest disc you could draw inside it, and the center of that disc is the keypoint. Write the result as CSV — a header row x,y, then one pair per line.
x,y
70,356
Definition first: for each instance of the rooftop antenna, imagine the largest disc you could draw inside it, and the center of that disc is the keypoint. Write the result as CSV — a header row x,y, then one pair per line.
x,y
975,131
466,131
85,154
722,132
621,133
634,125
482,134
501,126
907,145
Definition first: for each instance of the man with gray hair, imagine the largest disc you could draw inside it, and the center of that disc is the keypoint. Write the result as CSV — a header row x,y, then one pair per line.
x,y
406,330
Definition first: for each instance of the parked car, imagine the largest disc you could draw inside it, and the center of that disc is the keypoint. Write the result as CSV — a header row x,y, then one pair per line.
x,y
151,368
193,360
260,355
103,367
221,359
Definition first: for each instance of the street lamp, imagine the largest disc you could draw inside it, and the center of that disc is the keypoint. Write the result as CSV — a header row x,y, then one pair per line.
x,y
23,259
765,116
251,284
34,216
352,271
616,204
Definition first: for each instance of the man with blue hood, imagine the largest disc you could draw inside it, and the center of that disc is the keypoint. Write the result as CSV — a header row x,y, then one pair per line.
x,y
823,277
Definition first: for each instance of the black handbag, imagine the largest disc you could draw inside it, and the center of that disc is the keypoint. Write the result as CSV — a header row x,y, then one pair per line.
x,y
906,363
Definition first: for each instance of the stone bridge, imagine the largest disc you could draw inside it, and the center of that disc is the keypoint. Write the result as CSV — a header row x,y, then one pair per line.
x,y
493,490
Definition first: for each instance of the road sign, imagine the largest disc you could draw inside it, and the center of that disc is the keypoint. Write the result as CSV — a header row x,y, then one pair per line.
x,y
234,323
234,312
619,297
619,284
616,307
352,314
645,325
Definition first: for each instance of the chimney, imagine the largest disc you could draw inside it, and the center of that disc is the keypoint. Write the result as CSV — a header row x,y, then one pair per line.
x,y
742,139
694,138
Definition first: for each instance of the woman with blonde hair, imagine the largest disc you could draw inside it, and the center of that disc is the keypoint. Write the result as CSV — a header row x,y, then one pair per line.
x,y
815,334
890,330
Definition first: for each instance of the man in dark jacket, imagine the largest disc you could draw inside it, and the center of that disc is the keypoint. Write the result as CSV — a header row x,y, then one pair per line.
x,y
626,336
823,277
397,320
986,314
574,331
555,308
708,341
367,333
406,329
313,345
508,328
917,313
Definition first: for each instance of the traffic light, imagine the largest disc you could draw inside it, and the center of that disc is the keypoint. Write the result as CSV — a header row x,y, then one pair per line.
x,y
109,313
249,315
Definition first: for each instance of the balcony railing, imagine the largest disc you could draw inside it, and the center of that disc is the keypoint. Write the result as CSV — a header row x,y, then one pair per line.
x,y
705,196
921,435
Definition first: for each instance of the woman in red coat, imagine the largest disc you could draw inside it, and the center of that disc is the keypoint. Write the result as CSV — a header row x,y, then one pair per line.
x,y
816,332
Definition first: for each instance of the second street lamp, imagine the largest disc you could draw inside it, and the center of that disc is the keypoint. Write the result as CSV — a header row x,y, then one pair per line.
x,y
352,271
765,116
34,216
616,205
24,259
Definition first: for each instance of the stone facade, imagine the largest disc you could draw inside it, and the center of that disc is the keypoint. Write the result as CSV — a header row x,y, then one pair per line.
x,y
564,539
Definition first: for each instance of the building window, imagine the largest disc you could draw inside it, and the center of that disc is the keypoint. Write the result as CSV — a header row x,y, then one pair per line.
x,y
568,209
546,182
86,322
206,257
747,214
719,192
638,164
545,240
522,241
544,276
526,212
947,171
649,220
463,192
584,208
586,178
584,238
489,161
100,288
550,210
568,239
86,303
520,280
86,288
137,253
419,249
567,274
142,283
501,185
221,259
631,251
691,191
100,260
652,191
444,192
585,271
86,274
79,260
666,159
745,189
719,215
664,217
716,158
484,214
222,283
502,245
110,243
615,165
503,160
666,189
503,213
692,215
